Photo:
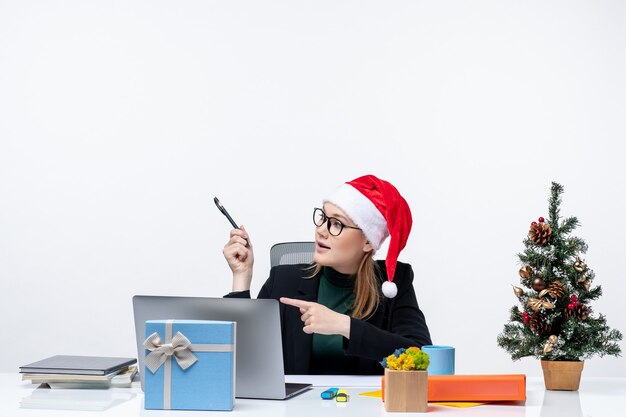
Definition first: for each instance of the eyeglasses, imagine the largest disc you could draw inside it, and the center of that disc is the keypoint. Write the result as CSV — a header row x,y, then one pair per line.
x,y
334,225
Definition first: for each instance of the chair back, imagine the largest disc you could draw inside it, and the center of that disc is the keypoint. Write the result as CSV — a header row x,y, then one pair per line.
x,y
290,253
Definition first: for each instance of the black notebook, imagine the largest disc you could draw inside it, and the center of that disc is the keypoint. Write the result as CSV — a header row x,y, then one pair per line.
x,y
80,365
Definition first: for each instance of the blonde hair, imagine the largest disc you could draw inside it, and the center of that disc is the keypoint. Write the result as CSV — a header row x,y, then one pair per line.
x,y
366,295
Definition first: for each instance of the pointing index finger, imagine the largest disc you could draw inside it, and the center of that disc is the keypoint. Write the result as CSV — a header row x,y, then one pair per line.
x,y
295,302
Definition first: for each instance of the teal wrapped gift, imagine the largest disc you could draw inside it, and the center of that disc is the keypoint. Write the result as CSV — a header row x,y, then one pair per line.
x,y
189,365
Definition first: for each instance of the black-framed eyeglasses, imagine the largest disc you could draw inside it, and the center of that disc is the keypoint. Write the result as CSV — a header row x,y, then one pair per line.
x,y
334,225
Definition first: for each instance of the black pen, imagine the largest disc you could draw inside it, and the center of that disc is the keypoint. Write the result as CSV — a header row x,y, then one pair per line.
x,y
223,210
225,213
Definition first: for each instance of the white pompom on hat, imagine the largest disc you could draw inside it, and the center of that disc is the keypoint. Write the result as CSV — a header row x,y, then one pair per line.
x,y
377,208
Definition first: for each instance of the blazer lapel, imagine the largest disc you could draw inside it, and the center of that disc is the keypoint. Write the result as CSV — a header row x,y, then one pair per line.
x,y
302,342
308,288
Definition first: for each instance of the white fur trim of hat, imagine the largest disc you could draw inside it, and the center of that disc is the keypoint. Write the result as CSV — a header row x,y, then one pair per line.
x,y
362,212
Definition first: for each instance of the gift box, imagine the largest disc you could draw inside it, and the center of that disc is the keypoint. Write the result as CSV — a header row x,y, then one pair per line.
x,y
189,365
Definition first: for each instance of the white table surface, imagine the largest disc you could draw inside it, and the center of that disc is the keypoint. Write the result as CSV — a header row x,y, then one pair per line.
x,y
597,397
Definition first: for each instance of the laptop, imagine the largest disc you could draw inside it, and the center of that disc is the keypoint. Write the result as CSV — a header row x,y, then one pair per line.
x,y
259,366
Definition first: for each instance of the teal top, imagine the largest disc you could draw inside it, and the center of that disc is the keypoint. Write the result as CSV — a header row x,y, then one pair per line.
x,y
336,291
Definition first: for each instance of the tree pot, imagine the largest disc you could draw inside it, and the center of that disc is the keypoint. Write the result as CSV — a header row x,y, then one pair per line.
x,y
562,375
406,391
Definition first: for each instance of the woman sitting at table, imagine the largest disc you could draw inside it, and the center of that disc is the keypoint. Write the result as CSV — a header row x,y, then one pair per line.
x,y
334,319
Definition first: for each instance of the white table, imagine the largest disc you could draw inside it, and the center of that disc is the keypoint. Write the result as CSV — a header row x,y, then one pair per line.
x,y
597,397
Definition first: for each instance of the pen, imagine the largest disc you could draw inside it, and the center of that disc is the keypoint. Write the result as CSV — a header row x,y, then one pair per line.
x,y
224,212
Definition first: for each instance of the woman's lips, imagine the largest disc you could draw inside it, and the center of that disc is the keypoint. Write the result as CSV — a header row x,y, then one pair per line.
x,y
322,247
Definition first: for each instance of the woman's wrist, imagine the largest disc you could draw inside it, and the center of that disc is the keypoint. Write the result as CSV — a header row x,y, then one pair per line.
x,y
241,282
345,326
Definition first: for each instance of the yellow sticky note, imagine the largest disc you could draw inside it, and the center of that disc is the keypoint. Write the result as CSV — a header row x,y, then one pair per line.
x,y
457,404
375,394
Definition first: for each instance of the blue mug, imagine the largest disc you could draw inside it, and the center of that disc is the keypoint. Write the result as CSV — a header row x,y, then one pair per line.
x,y
441,359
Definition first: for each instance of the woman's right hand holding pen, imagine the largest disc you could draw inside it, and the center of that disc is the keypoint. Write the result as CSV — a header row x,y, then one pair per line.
x,y
240,257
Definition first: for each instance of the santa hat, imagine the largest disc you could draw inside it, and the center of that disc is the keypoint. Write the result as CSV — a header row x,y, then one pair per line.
x,y
379,210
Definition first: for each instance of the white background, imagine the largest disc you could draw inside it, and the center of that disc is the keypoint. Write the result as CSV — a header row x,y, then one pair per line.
x,y
120,120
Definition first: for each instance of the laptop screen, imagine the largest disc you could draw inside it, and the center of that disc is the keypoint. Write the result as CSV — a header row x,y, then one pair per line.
x,y
259,357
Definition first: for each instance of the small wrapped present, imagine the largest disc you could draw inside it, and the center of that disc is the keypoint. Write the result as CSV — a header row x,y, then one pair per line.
x,y
189,365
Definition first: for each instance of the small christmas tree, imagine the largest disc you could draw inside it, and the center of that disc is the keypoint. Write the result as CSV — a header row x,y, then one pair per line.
x,y
556,321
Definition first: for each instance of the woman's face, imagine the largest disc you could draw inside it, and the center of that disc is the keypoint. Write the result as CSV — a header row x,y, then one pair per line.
x,y
344,252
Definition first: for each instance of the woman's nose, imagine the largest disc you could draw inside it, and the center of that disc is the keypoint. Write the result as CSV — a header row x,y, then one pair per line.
x,y
322,230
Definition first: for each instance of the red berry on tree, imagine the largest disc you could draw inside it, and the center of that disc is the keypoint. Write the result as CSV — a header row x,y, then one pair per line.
x,y
541,219
526,317
573,298
571,306
533,223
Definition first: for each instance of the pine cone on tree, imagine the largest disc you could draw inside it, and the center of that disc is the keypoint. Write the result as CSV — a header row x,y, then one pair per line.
x,y
538,324
555,290
540,233
580,312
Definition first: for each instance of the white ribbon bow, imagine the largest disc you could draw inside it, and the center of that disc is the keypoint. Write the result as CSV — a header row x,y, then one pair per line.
x,y
180,349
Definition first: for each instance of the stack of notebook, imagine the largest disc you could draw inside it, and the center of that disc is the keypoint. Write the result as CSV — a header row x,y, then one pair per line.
x,y
81,371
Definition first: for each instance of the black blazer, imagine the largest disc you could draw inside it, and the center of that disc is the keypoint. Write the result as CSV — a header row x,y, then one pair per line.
x,y
397,322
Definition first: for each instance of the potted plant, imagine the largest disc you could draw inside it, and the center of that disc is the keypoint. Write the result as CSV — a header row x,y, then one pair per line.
x,y
556,322
405,383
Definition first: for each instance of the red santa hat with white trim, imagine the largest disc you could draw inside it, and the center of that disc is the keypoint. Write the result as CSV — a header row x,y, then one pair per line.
x,y
379,210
